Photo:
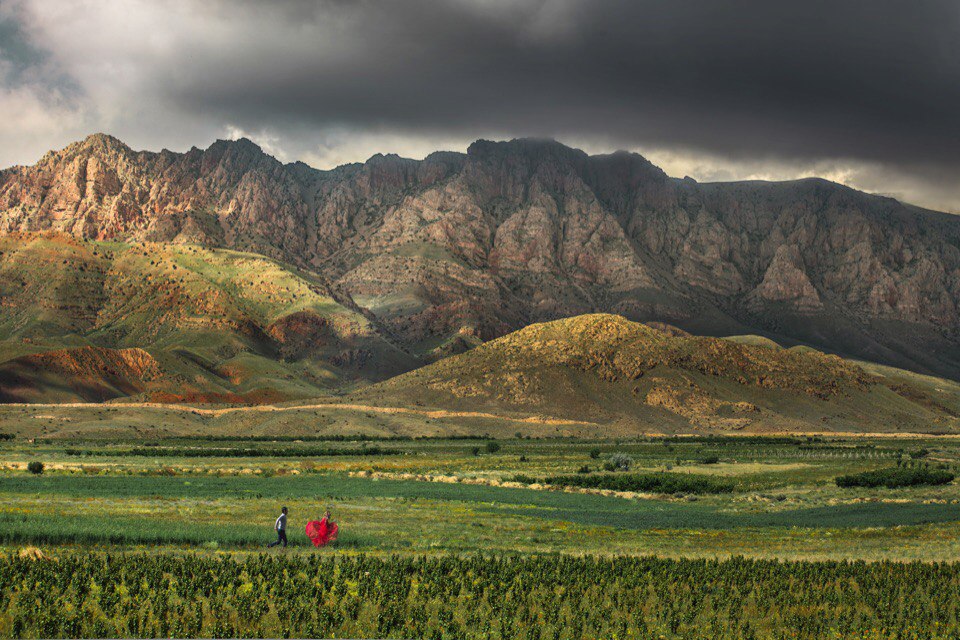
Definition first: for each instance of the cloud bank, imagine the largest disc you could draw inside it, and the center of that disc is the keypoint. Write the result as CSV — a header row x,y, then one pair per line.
x,y
866,93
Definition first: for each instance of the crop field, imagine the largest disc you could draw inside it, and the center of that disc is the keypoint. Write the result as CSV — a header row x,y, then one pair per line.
x,y
184,522
473,597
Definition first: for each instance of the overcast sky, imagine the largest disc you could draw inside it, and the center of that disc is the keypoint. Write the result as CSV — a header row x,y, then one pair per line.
x,y
865,93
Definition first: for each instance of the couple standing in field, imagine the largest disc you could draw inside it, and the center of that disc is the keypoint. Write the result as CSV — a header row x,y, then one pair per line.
x,y
320,531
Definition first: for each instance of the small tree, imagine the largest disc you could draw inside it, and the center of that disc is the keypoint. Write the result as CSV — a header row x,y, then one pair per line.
x,y
620,462
493,447
35,467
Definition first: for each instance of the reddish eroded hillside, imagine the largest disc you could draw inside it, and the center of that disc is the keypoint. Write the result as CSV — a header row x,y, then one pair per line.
x,y
90,374
224,323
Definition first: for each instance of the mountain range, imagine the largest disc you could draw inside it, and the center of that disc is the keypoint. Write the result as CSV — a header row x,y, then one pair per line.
x,y
521,283
456,249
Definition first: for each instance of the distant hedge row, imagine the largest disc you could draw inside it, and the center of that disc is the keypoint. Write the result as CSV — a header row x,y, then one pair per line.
x,y
333,437
301,452
896,477
643,482
716,439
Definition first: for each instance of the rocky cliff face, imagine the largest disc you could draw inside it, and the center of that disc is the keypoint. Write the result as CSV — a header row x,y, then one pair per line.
x,y
465,246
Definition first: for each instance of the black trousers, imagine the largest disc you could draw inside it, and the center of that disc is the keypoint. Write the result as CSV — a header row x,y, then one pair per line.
x,y
281,538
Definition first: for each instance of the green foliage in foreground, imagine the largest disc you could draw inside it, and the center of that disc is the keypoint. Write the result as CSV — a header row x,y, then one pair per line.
x,y
896,477
641,482
232,452
99,595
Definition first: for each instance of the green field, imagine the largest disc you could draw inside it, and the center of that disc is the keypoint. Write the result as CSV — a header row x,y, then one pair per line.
x,y
780,497
172,504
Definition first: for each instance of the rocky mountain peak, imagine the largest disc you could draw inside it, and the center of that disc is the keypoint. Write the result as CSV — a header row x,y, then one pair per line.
x,y
533,151
104,141
239,152
102,146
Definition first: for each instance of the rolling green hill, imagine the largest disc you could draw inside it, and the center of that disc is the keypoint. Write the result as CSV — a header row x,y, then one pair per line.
x,y
605,369
216,325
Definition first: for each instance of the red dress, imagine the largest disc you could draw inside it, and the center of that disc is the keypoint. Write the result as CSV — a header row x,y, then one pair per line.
x,y
322,531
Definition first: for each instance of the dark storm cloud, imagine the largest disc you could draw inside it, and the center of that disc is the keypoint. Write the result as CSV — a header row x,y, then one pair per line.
x,y
867,93
878,80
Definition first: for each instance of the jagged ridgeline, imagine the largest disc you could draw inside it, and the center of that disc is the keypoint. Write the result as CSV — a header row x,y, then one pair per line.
x,y
92,321
461,248
224,276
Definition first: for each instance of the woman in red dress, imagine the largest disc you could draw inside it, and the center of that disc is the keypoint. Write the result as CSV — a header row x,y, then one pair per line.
x,y
322,531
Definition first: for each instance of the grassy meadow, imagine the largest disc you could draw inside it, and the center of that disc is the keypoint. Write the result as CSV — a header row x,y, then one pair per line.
x,y
480,538
436,496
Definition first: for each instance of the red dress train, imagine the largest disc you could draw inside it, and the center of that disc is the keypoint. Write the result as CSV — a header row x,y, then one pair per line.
x,y
321,532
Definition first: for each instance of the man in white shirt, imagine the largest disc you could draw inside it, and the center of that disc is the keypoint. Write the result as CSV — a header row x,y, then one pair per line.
x,y
281,528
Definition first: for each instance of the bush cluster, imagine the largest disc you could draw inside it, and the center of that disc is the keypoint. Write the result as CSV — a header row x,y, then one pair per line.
x,y
618,462
643,482
896,477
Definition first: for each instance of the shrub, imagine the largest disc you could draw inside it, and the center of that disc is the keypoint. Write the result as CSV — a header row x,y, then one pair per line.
x,y
523,458
35,467
647,482
493,447
475,451
709,460
896,477
584,469
620,462
595,453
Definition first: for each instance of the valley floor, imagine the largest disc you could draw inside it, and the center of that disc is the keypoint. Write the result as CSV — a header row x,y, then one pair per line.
x,y
187,502
438,496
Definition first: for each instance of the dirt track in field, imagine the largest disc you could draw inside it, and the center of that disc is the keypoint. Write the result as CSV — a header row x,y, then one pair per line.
x,y
426,413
